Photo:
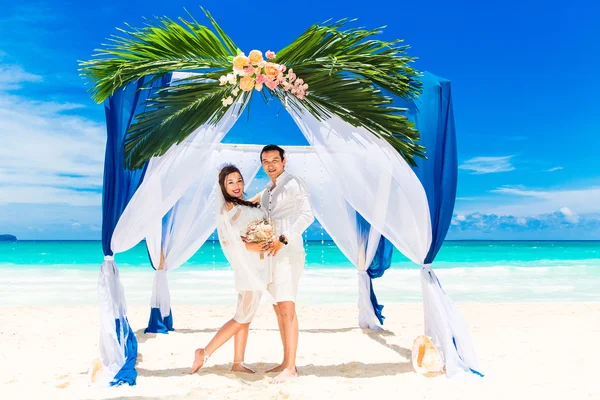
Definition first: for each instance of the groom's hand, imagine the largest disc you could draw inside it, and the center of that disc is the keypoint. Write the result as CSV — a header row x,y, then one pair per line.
x,y
275,247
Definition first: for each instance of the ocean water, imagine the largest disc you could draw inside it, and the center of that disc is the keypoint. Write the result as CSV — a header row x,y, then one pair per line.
x,y
66,272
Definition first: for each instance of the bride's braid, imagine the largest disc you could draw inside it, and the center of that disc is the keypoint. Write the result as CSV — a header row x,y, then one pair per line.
x,y
226,171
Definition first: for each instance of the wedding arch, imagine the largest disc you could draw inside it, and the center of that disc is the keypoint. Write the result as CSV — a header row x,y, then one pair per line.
x,y
171,93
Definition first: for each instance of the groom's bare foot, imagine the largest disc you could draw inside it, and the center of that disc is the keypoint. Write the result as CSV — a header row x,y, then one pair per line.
x,y
199,356
240,367
285,375
278,368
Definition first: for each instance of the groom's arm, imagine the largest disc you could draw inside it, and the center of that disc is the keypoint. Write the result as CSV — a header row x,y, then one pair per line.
x,y
305,215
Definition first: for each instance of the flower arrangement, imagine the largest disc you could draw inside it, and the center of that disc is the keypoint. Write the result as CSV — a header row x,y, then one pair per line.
x,y
255,72
260,231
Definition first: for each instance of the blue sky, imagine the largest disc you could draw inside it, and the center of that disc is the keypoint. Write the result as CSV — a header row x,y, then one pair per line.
x,y
525,90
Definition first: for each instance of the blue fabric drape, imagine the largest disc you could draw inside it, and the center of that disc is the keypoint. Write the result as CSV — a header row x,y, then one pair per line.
x,y
158,324
119,186
381,262
433,116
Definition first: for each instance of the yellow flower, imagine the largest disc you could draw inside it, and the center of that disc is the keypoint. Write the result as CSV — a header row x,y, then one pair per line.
x,y
255,56
258,86
271,70
247,83
239,62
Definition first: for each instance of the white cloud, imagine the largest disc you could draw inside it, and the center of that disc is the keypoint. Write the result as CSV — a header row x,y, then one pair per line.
x,y
488,165
12,76
569,215
560,224
555,169
48,156
526,202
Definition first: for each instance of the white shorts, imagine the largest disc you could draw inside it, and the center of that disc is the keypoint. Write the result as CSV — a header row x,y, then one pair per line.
x,y
287,268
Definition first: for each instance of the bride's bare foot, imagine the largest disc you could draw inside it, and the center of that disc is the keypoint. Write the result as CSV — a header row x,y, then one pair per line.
x,y
278,368
285,375
240,367
200,358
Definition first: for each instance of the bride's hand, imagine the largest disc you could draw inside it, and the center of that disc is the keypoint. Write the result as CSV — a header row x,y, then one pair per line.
x,y
257,247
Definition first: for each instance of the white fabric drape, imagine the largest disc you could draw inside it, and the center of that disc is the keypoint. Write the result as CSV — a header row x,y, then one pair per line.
x,y
373,178
112,306
368,244
338,218
447,328
161,296
376,182
168,178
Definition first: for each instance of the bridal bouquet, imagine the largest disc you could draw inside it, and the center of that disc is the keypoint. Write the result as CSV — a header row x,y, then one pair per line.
x,y
260,231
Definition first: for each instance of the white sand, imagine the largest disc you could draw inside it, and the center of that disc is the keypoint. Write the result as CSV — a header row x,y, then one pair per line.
x,y
528,351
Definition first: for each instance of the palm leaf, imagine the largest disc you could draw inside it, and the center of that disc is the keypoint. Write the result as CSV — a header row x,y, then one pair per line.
x,y
171,116
173,113
347,72
156,49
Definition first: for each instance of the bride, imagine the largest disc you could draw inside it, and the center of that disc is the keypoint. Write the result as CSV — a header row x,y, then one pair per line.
x,y
250,269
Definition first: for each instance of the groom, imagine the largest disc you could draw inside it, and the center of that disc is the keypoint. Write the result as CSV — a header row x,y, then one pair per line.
x,y
286,202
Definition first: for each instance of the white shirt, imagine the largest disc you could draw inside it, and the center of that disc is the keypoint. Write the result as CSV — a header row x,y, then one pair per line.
x,y
288,206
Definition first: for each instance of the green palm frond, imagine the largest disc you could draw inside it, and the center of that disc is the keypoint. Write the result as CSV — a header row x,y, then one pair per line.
x,y
161,47
346,72
156,49
172,115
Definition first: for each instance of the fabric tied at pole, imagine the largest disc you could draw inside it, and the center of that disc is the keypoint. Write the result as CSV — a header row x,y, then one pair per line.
x,y
161,316
434,117
118,344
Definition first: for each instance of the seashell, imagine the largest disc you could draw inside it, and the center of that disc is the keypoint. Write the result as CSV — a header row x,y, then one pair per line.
x,y
426,358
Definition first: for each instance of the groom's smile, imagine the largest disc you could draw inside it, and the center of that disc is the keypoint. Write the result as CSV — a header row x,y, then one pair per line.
x,y
273,163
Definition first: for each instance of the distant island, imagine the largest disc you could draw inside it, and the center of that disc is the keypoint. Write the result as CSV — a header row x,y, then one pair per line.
x,y
8,238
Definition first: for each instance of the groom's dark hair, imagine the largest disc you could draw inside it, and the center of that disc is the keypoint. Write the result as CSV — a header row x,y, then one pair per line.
x,y
271,147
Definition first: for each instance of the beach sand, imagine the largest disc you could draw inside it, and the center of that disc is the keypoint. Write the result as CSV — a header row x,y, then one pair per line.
x,y
536,350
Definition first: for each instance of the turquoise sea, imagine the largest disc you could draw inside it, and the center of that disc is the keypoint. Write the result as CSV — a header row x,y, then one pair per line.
x,y
65,273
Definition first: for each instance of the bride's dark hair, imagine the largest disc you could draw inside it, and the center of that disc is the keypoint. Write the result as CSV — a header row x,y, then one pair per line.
x,y
225,172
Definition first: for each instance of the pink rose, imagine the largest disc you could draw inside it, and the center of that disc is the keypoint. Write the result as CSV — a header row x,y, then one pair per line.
x,y
261,79
270,54
249,70
271,84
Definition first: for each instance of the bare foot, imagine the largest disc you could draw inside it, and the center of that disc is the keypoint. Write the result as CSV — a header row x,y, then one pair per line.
x,y
285,375
240,367
199,358
278,368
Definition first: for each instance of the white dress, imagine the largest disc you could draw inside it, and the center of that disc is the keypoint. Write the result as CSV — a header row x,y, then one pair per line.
x,y
251,273
240,217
